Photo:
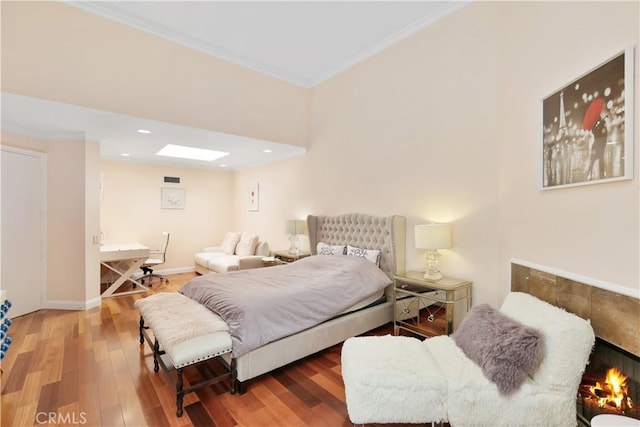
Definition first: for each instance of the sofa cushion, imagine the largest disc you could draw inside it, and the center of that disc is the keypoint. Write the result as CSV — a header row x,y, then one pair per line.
x,y
230,242
247,245
203,258
505,349
224,263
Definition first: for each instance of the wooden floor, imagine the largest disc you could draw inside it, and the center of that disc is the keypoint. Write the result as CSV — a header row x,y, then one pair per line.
x,y
88,368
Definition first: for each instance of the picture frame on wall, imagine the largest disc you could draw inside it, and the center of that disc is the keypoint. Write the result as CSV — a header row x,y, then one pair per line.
x,y
588,126
172,198
253,197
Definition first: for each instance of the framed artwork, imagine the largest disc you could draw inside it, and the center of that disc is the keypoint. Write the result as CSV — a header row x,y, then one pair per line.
x,y
587,130
172,198
254,197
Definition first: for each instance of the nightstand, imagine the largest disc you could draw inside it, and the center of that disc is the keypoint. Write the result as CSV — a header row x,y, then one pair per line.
x,y
270,261
286,257
429,307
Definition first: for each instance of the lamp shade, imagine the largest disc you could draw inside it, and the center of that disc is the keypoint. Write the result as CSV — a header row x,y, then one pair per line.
x,y
296,226
433,236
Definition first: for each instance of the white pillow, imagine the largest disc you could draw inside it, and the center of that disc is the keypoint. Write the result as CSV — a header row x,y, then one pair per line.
x,y
325,249
230,242
247,245
372,255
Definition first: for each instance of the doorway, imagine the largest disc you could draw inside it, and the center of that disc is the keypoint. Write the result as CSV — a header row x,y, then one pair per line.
x,y
23,268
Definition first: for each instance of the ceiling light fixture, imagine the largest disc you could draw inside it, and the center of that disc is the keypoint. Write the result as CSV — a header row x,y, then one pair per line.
x,y
125,154
267,151
192,153
144,131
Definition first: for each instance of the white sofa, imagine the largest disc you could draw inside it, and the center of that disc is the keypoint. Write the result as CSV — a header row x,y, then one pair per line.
x,y
238,251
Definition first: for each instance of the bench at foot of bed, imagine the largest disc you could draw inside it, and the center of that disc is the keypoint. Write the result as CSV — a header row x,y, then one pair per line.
x,y
185,333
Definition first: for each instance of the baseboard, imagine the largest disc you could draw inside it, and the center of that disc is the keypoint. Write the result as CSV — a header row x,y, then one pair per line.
x,y
96,302
72,305
92,303
64,305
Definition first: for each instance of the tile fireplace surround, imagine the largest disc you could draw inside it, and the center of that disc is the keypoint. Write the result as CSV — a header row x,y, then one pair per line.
x,y
614,317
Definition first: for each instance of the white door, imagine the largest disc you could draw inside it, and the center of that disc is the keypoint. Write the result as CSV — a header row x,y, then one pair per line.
x,y
23,269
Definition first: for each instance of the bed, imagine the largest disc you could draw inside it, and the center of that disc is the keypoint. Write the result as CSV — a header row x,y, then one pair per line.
x,y
385,234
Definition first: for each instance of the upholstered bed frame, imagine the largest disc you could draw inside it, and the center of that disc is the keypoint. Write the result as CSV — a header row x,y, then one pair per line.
x,y
387,234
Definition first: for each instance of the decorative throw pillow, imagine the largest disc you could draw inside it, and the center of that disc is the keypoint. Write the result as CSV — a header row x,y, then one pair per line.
x,y
372,255
505,349
230,242
247,245
325,249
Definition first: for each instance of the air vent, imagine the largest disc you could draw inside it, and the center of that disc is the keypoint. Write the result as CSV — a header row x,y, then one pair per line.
x,y
172,179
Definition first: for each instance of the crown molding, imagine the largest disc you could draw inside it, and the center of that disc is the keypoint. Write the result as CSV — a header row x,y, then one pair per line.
x,y
103,9
410,29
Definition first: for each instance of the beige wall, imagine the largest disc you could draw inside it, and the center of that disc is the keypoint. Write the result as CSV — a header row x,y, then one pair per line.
x,y
58,52
72,218
446,126
590,230
443,126
131,212
92,219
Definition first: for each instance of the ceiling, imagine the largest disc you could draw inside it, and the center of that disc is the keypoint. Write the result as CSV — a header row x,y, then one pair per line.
x,y
301,42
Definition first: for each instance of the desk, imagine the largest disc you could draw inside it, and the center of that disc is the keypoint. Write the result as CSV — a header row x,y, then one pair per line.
x,y
123,259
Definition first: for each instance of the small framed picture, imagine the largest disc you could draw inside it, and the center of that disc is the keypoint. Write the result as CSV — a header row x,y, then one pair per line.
x,y
172,198
254,197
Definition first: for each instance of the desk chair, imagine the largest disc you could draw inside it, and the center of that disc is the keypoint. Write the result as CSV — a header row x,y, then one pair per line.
x,y
157,257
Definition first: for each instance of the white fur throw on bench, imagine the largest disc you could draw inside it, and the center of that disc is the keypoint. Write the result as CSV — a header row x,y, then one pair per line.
x,y
188,333
178,318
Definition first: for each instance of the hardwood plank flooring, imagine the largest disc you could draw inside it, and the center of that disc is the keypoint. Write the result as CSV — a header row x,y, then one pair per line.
x,y
88,368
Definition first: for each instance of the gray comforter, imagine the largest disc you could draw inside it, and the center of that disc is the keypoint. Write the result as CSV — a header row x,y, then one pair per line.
x,y
264,304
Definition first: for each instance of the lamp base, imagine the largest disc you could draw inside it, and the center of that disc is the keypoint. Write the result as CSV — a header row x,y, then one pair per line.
x,y
433,265
432,276
293,247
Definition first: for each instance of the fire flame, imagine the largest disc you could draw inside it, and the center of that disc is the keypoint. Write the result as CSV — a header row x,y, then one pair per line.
x,y
613,392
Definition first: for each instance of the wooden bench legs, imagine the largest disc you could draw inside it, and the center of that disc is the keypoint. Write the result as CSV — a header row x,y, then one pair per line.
x,y
167,366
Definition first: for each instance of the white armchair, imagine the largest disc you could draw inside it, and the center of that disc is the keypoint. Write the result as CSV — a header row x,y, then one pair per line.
x,y
403,380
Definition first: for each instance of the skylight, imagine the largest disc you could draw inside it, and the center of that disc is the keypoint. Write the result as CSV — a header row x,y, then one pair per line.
x,y
192,153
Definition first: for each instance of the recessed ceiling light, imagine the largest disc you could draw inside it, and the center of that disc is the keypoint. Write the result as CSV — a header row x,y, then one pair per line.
x,y
125,154
223,165
267,151
192,153
144,131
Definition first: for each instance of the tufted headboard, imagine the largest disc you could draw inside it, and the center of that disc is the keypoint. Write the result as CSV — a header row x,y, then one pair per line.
x,y
386,234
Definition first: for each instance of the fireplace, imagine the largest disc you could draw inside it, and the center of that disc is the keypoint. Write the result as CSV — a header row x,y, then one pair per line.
x,y
610,384
614,313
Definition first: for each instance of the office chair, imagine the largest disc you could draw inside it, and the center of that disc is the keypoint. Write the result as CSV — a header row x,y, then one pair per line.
x,y
157,257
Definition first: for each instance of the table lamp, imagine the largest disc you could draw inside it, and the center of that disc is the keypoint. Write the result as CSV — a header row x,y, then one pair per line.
x,y
433,237
295,227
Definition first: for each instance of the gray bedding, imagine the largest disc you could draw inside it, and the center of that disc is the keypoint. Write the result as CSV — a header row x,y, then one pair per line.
x,y
264,304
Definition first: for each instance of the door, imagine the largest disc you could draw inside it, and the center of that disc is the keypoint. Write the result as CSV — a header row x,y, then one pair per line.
x,y
23,268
